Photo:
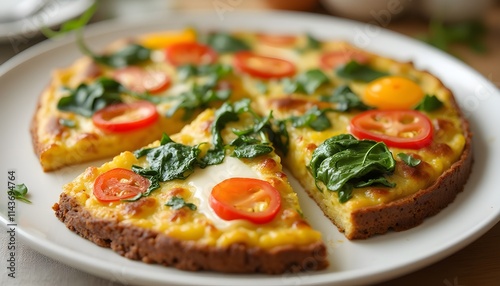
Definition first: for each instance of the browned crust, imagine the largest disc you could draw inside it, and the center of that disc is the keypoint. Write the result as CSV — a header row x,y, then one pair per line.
x,y
152,247
411,211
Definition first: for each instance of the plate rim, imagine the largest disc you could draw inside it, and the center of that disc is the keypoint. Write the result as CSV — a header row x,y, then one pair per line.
x,y
104,27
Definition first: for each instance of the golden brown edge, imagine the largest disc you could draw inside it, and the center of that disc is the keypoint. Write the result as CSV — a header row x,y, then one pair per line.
x,y
37,145
411,211
152,247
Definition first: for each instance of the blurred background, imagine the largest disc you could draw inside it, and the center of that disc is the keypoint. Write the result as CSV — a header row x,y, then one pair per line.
x,y
469,30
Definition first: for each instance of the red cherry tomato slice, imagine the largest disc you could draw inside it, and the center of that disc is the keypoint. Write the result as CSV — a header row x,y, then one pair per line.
x,y
124,117
140,80
277,40
190,53
245,198
263,67
119,184
334,59
402,129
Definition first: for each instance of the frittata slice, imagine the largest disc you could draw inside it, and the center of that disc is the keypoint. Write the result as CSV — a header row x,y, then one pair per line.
x,y
176,224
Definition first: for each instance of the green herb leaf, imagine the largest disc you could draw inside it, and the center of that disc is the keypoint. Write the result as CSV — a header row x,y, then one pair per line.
x,y
443,36
67,122
307,82
88,98
409,160
342,163
178,203
131,54
225,43
71,25
19,192
356,71
313,118
251,151
152,176
346,99
429,103
201,95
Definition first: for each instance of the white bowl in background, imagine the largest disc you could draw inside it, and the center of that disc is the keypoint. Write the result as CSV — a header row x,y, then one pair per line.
x,y
380,11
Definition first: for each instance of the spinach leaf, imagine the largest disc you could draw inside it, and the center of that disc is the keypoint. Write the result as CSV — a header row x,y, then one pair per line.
x,y
252,150
307,82
311,44
225,114
314,118
429,103
170,160
129,55
213,71
200,96
342,163
346,99
356,71
409,160
252,141
178,203
88,98
213,156
225,43
249,147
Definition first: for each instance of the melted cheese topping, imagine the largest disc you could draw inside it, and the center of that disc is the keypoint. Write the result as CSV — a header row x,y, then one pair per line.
x,y
203,181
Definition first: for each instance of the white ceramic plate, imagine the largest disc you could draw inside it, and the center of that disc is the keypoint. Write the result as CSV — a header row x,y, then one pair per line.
x,y
352,262
52,13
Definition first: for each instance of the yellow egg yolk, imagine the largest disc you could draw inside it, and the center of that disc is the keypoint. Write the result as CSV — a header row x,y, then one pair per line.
x,y
393,92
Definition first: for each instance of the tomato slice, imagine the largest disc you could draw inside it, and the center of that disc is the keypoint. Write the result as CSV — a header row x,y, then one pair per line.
x,y
334,59
277,40
124,117
263,67
245,198
140,80
190,53
119,184
397,128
